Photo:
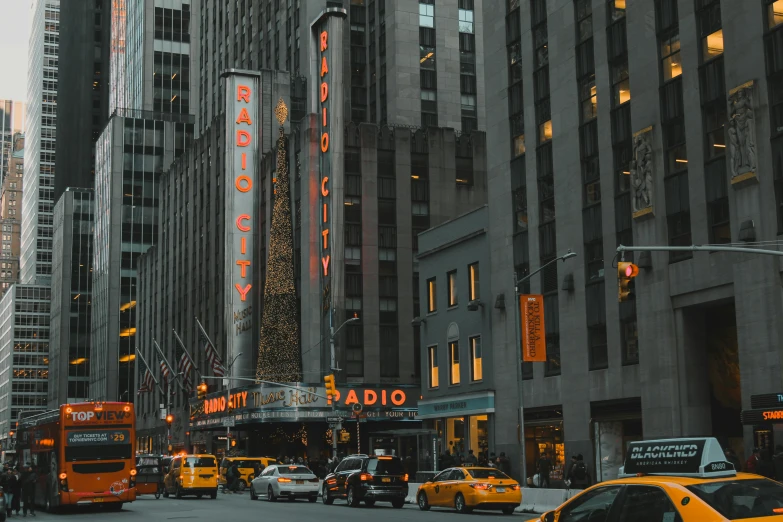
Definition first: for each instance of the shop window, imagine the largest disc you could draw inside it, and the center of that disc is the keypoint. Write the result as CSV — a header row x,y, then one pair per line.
x,y
433,366
476,360
432,296
452,286
454,362
479,437
473,274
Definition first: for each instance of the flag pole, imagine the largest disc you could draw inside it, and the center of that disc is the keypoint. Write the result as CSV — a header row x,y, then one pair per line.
x,y
204,332
152,374
176,336
171,368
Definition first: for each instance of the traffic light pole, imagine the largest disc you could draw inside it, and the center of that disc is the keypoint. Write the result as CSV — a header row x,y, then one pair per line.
x,y
334,368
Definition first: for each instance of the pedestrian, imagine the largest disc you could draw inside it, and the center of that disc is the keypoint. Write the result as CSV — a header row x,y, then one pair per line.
x,y
544,469
580,477
17,490
471,460
29,482
492,461
7,483
765,468
777,462
256,469
752,462
235,475
570,473
732,457
504,464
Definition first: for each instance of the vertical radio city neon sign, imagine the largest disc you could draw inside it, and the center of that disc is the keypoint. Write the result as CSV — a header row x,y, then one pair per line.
x,y
324,97
241,223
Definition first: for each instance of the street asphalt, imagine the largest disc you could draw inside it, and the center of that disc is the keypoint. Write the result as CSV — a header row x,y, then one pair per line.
x,y
239,508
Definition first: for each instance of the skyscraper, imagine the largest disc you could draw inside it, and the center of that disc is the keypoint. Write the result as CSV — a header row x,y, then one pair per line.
x,y
409,62
11,122
83,82
10,214
40,131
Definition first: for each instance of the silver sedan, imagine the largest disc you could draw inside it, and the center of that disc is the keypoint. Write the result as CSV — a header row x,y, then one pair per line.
x,y
290,481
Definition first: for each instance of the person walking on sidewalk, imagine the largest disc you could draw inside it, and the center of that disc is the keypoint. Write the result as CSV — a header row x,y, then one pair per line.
x,y
29,481
7,482
579,477
544,469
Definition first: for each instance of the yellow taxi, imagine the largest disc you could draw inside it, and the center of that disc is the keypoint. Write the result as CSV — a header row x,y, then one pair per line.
x,y
675,480
469,488
192,475
246,466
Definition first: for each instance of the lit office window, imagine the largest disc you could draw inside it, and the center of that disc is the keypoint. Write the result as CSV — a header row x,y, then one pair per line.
x,y
432,296
476,370
433,364
452,282
454,362
475,284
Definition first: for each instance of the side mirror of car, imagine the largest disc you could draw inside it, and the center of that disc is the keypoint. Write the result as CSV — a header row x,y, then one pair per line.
x,y
548,517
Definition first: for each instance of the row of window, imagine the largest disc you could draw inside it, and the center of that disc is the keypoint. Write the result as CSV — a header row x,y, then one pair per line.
x,y
452,286
455,376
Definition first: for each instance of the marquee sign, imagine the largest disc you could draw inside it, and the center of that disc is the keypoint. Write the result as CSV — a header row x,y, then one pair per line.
x,y
269,403
241,234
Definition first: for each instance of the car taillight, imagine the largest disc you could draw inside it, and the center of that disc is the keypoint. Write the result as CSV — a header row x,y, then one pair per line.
x,y
365,477
514,487
331,481
63,481
480,485
283,479
133,473
405,477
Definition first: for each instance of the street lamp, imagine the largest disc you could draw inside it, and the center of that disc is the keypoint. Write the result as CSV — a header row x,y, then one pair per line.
x,y
227,383
517,284
334,368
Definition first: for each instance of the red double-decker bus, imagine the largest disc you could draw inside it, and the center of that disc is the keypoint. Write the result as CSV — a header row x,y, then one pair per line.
x,y
84,454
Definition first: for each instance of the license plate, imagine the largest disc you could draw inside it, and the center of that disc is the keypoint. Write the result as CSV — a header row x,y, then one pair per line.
x,y
97,500
501,490
300,481
386,480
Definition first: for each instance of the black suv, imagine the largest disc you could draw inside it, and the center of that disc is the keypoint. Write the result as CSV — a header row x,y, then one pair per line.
x,y
361,478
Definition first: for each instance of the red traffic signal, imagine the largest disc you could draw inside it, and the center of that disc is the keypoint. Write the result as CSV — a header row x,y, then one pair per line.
x,y
625,274
169,418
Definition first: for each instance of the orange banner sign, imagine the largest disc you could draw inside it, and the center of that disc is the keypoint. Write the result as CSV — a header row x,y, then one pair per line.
x,y
531,309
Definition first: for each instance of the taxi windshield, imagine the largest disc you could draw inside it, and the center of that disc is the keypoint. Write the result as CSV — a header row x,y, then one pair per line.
x,y
200,462
487,473
740,499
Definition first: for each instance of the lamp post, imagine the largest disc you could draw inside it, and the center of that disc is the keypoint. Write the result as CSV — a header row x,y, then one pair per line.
x,y
227,383
517,284
333,367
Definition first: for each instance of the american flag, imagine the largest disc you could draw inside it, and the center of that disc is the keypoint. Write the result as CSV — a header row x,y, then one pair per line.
x,y
212,355
147,383
184,367
165,371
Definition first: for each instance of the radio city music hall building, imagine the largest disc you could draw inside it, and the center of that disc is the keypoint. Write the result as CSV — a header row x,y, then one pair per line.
x,y
360,194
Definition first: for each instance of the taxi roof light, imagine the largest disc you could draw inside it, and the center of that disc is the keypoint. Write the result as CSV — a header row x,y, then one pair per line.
x,y
697,457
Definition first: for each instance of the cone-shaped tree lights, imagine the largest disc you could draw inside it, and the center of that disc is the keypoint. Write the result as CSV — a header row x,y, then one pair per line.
x,y
279,359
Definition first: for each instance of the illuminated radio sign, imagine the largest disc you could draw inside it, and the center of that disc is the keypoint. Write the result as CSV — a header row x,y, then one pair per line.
x,y
261,402
242,141
323,45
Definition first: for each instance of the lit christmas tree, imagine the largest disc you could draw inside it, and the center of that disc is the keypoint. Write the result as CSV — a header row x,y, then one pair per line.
x,y
279,359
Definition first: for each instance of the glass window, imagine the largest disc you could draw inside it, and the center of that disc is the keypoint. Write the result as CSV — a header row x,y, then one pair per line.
x,y
519,145
385,466
775,12
452,282
476,370
432,296
487,473
433,365
589,99
292,470
621,85
645,503
739,499
670,58
426,15
466,21
475,283
545,132
454,362
712,45
616,9
427,57
593,506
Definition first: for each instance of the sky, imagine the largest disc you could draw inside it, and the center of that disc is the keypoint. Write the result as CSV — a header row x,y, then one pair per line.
x,y
14,27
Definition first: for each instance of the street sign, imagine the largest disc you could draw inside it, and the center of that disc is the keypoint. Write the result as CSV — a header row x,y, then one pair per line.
x,y
229,422
762,416
767,400
334,419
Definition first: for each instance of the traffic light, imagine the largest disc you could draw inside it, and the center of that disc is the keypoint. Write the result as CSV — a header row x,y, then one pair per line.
x,y
230,405
169,419
201,390
331,391
625,274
